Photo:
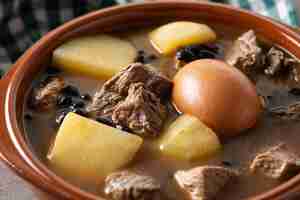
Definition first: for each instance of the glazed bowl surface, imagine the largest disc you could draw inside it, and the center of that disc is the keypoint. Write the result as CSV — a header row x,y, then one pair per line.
x,y
15,149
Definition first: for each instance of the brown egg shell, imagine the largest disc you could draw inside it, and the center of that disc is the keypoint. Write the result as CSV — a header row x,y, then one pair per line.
x,y
218,94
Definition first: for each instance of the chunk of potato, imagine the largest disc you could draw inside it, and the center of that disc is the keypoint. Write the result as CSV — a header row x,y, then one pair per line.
x,y
86,150
167,38
187,138
99,56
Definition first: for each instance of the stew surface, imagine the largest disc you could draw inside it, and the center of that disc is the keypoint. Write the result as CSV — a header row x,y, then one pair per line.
x,y
237,152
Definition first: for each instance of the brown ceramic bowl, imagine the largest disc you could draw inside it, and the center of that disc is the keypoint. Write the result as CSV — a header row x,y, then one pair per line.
x,y
14,147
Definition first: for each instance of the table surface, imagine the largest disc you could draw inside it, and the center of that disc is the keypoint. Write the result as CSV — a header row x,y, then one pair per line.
x,y
13,187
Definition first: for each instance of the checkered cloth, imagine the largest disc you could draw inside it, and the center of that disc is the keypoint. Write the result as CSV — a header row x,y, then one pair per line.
x,y
23,22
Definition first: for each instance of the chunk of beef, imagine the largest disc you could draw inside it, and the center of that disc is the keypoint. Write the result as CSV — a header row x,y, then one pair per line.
x,y
289,112
204,182
133,99
103,104
116,89
141,111
245,53
127,185
276,163
295,72
137,72
277,61
45,96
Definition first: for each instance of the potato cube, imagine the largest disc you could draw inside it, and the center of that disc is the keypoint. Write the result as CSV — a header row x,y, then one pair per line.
x,y
88,150
167,38
187,138
99,56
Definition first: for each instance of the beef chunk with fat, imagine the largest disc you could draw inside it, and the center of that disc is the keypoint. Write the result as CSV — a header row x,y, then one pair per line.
x,y
116,89
141,111
133,99
45,96
276,163
295,71
245,53
137,72
103,104
128,185
289,112
277,61
204,182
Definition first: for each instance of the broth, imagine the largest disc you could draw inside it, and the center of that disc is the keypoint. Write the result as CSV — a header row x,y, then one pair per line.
x,y
239,150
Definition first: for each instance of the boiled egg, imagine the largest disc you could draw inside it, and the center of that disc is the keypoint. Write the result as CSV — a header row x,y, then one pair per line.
x,y
218,94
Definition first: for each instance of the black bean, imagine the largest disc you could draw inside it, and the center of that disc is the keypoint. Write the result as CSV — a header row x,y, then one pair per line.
x,y
79,111
269,97
63,113
28,116
227,163
141,52
205,54
52,71
59,119
61,116
64,101
71,91
184,55
194,52
78,104
123,128
105,120
295,91
140,58
195,48
86,97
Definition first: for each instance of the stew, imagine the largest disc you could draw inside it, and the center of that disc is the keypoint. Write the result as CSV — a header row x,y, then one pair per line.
x,y
178,111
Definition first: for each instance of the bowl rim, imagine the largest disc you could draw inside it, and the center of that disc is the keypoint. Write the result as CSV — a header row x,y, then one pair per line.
x,y
44,175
